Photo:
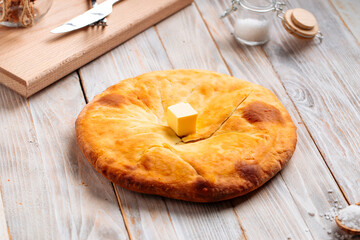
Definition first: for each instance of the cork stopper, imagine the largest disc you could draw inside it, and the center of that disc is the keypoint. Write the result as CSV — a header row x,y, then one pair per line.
x,y
301,23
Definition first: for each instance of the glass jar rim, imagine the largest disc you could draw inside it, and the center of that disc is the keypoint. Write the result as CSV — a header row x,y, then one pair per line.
x,y
267,8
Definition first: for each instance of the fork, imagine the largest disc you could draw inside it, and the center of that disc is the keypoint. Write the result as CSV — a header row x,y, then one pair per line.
x,y
101,22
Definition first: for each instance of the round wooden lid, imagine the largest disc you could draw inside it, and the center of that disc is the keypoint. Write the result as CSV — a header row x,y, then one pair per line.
x,y
303,18
291,27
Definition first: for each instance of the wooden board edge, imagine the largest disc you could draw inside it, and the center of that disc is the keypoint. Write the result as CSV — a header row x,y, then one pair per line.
x,y
13,82
95,51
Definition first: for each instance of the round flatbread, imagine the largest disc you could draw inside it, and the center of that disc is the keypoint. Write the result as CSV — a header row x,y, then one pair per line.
x,y
244,135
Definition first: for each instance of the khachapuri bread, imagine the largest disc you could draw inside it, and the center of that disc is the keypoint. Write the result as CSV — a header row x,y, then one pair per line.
x,y
244,135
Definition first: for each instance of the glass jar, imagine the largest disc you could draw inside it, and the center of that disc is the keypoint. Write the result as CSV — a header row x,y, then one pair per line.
x,y
253,21
22,13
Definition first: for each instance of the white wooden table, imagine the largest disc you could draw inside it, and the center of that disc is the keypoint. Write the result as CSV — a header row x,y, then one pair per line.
x,y
49,191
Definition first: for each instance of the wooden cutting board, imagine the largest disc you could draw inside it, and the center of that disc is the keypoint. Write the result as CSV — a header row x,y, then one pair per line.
x,y
33,58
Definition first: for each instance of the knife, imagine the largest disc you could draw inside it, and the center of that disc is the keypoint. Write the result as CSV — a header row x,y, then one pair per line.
x,y
88,17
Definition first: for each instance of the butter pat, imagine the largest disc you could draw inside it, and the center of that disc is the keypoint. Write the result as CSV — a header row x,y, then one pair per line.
x,y
182,118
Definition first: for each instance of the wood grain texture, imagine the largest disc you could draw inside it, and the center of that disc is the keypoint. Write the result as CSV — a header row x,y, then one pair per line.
x,y
191,60
322,80
3,226
46,182
27,67
23,177
147,216
88,204
306,176
192,47
204,221
45,179
349,12
152,217
306,165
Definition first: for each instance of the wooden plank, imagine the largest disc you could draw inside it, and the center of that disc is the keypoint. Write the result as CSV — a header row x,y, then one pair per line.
x,y
22,173
56,55
147,216
84,202
178,220
306,176
322,80
186,33
139,55
4,233
46,181
251,64
349,13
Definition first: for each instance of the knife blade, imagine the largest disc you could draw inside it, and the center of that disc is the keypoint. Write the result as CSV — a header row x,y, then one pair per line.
x,y
101,22
93,15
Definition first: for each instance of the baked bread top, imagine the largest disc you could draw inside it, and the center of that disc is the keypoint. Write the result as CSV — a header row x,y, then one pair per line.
x,y
244,135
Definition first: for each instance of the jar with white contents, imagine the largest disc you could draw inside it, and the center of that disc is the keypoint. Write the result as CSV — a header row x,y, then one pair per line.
x,y
253,21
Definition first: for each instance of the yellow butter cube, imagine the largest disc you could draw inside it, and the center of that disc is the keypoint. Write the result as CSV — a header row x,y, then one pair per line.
x,y
182,118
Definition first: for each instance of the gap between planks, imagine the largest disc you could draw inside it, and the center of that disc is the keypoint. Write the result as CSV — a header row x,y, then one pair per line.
x,y
121,208
183,228
331,3
229,70
66,223
215,45
287,94
295,107
112,184
307,130
332,63
162,44
227,66
212,38
122,211
231,204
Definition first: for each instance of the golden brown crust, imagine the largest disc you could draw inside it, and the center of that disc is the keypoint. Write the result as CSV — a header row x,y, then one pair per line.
x,y
244,135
